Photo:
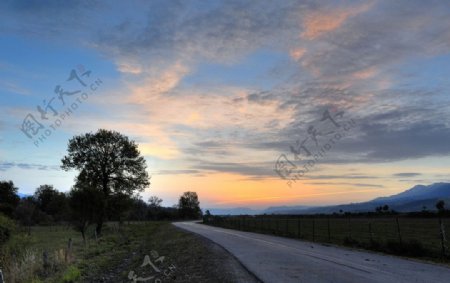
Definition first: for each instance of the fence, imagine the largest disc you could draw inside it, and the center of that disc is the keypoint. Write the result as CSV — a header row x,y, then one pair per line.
x,y
403,235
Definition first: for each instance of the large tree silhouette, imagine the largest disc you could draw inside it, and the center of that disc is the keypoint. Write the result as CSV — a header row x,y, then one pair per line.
x,y
109,162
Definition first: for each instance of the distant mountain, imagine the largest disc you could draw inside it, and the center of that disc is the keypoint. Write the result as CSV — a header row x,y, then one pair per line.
x,y
233,211
437,190
414,199
283,209
23,195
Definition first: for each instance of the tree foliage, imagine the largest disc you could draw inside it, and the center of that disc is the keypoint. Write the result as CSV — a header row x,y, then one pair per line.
x,y
189,206
84,204
8,197
440,205
52,202
109,162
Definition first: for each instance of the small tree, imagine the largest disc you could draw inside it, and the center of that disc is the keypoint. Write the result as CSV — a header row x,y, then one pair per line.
x,y
440,205
139,209
51,202
189,206
154,202
84,203
154,208
8,198
26,212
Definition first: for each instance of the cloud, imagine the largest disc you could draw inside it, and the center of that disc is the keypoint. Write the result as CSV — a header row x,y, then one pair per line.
x,y
4,166
325,20
347,184
351,57
177,172
407,174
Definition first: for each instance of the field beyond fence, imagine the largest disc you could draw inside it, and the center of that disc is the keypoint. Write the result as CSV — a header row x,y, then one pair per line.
x,y
402,235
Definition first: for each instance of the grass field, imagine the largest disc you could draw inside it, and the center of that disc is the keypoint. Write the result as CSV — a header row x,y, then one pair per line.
x,y
415,237
174,256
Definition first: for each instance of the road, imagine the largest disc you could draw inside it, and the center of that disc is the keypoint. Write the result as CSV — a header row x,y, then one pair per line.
x,y
276,259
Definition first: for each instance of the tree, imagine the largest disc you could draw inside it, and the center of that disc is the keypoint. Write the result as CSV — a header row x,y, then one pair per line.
x,y
84,202
189,206
440,205
154,202
385,208
119,204
108,162
139,210
25,212
28,213
8,198
154,208
52,202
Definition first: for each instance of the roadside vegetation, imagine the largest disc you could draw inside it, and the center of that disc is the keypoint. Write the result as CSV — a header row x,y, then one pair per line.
x,y
54,236
177,256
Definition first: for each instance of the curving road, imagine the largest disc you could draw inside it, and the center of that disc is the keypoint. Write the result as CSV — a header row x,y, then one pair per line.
x,y
276,259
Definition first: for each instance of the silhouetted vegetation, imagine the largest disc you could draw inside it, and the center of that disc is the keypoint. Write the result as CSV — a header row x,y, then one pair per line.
x,y
110,163
189,206
111,174
8,198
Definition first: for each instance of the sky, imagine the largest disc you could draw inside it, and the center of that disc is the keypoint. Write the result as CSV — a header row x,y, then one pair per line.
x,y
248,103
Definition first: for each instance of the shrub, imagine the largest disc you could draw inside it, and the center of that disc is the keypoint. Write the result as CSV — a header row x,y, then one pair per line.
x,y
414,248
349,241
6,228
71,275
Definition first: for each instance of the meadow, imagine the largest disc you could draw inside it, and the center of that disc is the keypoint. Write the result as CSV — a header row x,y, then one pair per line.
x,y
401,235
167,253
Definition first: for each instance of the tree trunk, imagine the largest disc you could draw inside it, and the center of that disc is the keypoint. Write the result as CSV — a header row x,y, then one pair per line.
x,y
84,237
99,226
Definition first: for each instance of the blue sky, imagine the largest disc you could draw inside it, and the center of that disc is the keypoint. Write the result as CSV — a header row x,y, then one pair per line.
x,y
214,92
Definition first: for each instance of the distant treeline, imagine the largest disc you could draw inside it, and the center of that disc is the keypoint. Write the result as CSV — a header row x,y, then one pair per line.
x,y
48,206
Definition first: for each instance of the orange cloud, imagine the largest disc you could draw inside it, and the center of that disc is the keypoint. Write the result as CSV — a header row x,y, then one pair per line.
x,y
324,21
365,74
297,53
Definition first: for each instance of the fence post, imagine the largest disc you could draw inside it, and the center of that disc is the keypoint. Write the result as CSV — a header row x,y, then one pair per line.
x,y
349,227
443,237
278,226
1,277
299,227
45,262
398,231
69,251
313,229
328,224
287,226
370,232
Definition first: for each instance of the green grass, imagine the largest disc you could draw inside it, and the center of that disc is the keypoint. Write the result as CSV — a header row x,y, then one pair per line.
x,y
418,237
118,252
72,274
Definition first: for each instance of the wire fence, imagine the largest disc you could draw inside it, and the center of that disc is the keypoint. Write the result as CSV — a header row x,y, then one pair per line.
x,y
411,236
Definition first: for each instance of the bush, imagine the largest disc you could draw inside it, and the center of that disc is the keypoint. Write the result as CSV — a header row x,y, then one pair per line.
x,y
6,228
71,275
349,241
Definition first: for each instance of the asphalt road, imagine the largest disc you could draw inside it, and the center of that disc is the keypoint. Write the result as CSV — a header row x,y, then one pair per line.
x,y
276,259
